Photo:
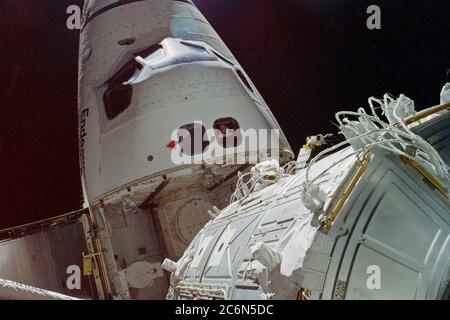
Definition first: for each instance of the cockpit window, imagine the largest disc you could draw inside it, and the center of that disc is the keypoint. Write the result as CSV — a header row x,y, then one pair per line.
x,y
218,55
244,79
193,46
116,100
190,139
117,96
227,132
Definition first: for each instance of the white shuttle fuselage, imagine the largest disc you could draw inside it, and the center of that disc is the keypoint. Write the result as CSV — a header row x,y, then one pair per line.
x,y
153,74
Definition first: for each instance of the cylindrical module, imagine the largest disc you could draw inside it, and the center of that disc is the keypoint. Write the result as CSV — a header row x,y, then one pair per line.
x,y
167,117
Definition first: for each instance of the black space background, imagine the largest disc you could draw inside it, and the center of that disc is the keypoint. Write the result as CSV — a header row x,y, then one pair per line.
x,y
308,58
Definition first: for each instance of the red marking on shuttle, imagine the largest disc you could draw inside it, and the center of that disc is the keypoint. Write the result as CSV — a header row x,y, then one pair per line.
x,y
171,144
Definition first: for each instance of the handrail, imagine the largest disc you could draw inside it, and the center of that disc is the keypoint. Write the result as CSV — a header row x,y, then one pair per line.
x,y
427,112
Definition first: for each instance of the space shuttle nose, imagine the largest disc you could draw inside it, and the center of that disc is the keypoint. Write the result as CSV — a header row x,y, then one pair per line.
x,y
156,67
169,118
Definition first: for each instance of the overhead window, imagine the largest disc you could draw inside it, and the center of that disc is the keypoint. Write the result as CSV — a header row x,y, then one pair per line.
x,y
227,132
221,57
190,139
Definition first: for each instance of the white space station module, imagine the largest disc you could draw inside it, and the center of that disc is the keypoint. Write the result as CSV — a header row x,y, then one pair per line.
x,y
366,218
153,77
